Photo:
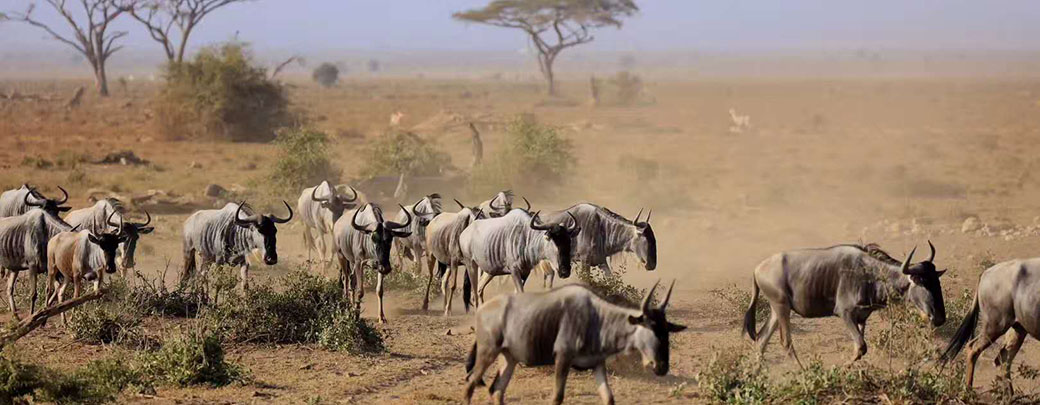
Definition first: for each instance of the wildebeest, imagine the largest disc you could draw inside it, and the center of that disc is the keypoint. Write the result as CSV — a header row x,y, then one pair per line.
x,y
103,215
20,200
414,246
847,281
363,237
23,246
442,243
513,245
499,205
225,237
605,234
1006,298
569,326
84,255
320,207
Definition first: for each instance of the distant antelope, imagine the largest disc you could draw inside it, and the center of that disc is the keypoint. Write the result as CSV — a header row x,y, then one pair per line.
x,y
395,118
741,123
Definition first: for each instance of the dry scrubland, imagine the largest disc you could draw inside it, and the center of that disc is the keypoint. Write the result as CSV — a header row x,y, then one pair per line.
x,y
894,161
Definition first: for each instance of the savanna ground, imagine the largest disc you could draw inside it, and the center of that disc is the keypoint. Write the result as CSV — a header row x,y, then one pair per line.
x,y
893,161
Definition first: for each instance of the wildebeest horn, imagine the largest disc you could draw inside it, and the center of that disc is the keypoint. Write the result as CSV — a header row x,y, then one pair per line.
x,y
932,256
667,296
147,221
905,268
395,225
280,220
637,216
648,214
109,220
26,199
353,221
460,204
314,195
243,221
645,306
492,202
535,223
528,204
355,195
65,198
574,224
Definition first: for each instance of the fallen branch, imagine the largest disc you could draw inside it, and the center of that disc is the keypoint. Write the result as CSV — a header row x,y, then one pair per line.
x,y
40,317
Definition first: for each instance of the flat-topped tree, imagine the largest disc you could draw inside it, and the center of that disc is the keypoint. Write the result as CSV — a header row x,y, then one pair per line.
x,y
90,30
162,17
553,25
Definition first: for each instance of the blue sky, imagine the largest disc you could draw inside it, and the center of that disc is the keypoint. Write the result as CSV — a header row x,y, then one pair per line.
x,y
404,25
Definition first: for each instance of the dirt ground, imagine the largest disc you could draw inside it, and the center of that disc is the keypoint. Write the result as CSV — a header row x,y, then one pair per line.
x,y
893,161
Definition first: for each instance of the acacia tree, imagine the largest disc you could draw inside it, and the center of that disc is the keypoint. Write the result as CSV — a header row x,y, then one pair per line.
x,y
160,17
92,37
552,25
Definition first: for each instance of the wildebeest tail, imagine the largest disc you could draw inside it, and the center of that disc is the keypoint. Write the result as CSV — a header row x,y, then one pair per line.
x,y
441,269
749,316
467,291
963,334
471,361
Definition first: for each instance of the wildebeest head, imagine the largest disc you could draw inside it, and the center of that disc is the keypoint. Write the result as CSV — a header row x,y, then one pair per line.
x,y
645,243
474,213
382,233
425,209
336,203
50,205
133,231
500,204
925,290
265,228
561,243
109,242
652,329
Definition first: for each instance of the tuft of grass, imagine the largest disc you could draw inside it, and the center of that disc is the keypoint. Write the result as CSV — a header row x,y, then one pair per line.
x,y
536,156
398,152
190,359
612,288
737,300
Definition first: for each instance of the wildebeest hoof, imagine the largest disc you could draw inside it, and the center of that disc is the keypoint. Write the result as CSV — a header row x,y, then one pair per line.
x,y
90,276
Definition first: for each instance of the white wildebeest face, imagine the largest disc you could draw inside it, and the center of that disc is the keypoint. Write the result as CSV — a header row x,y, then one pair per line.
x,y
48,205
335,203
925,289
382,234
265,226
652,330
133,232
645,243
501,204
561,243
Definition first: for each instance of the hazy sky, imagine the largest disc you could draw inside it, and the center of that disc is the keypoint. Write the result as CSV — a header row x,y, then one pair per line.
x,y
403,25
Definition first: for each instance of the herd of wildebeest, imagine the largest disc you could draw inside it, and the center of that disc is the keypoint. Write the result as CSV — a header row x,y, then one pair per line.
x,y
567,327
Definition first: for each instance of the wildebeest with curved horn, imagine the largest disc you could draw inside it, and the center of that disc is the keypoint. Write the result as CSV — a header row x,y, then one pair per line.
x,y
320,207
513,245
84,255
104,214
847,281
1006,299
23,246
442,243
414,246
569,326
225,237
605,234
20,200
499,205
363,237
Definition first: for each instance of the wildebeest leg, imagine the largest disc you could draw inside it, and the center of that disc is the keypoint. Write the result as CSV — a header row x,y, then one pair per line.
x,y
33,295
518,280
860,346
430,261
991,330
1012,342
769,328
505,373
322,249
61,298
189,266
12,276
453,275
379,296
602,384
243,274
358,282
344,275
485,356
563,367
784,317
485,278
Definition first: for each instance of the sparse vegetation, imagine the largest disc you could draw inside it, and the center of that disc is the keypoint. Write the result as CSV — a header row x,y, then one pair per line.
x,y
629,87
303,160
222,94
737,300
611,288
535,155
326,74
190,359
398,152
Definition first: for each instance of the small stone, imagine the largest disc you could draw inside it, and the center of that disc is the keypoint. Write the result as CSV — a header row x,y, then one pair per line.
x,y
214,190
971,224
195,165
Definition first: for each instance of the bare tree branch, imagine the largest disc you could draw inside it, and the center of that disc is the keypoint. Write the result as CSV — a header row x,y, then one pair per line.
x,y
40,317
278,68
160,17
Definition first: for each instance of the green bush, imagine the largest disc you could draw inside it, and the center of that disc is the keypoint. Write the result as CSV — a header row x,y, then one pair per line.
x,y
221,94
303,160
535,156
113,319
326,74
612,288
399,152
190,359
344,330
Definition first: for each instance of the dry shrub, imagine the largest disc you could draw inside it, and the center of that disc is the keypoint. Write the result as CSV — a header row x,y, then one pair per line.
x,y
629,87
326,75
536,156
303,160
404,152
222,94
